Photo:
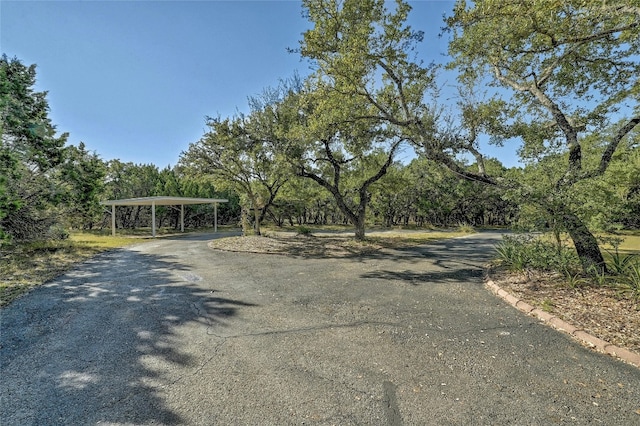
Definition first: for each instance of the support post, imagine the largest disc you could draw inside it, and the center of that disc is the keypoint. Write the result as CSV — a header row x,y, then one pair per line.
x,y
215,217
182,218
113,220
153,219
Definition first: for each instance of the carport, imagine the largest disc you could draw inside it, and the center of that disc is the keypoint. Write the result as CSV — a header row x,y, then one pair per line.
x,y
163,201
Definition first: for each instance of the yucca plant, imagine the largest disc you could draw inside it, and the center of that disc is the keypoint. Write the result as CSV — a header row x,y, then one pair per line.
x,y
510,256
620,263
574,280
631,280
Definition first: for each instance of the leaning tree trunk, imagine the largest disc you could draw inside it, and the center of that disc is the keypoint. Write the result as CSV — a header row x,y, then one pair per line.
x,y
586,244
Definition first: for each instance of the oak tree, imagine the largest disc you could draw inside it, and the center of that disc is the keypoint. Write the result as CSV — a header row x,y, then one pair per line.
x,y
572,68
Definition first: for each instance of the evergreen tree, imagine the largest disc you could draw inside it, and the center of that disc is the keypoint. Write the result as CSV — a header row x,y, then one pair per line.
x,y
30,151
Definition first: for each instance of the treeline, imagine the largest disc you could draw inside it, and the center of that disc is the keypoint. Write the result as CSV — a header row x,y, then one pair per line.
x,y
416,194
48,186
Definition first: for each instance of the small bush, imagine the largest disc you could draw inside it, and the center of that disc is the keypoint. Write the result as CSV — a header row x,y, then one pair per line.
x,y
466,228
57,232
303,230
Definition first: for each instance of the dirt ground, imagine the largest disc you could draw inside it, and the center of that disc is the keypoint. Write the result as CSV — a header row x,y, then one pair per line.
x,y
602,312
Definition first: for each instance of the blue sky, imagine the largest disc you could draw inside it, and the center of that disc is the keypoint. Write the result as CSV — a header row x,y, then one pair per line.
x,y
134,80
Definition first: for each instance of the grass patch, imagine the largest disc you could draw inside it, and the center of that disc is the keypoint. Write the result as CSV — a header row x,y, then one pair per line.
x,y
99,242
24,266
466,228
630,241
629,245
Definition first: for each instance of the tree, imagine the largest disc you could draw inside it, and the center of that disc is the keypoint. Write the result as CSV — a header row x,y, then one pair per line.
x,y
81,178
337,134
202,186
391,198
129,180
344,157
573,68
30,151
236,153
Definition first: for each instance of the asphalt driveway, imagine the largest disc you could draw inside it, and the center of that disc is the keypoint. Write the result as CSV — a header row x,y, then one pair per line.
x,y
171,332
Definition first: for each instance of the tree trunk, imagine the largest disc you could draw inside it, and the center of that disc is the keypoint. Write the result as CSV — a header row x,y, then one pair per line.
x,y
360,233
359,220
257,218
244,221
586,244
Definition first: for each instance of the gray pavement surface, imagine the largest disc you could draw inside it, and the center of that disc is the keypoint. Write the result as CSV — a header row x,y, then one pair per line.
x,y
171,332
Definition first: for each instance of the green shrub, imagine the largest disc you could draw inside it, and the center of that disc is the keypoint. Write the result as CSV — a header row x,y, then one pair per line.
x,y
57,232
628,281
522,252
620,264
466,228
303,230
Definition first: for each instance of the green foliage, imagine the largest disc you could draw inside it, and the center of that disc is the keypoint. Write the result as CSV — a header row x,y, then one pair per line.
x,y
631,280
521,252
570,67
82,183
238,154
303,230
624,268
575,280
619,263
30,152
342,137
425,193
511,255
466,228
567,50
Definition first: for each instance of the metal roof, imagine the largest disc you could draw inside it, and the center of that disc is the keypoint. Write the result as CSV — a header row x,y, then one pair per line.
x,y
162,201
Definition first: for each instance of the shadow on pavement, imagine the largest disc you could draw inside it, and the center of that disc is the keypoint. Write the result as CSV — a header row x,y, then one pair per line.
x,y
416,278
440,261
65,350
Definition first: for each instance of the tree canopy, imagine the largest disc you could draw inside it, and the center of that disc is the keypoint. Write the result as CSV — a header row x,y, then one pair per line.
x,y
571,67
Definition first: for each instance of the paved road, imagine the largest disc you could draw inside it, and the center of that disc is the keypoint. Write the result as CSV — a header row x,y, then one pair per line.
x,y
171,332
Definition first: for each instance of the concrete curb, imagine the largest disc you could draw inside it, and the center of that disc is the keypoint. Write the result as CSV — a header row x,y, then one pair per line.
x,y
559,324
